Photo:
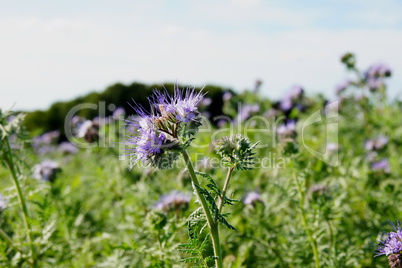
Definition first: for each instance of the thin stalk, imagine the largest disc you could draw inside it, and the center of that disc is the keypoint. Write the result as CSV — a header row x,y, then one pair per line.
x,y
9,241
21,199
332,241
225,186
6,238
213,226
312,241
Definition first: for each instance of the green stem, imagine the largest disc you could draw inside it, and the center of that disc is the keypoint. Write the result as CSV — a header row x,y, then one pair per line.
x,y
6,238
332,241
213,226
21,199
9,241
225,186
312,241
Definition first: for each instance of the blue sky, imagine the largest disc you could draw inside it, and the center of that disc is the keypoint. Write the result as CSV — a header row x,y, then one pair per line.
x,y
57,50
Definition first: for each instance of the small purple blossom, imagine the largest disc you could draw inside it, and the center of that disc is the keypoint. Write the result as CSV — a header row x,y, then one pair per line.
x,y
392,244
295,93
374,84
252,198
173,201
46,142
376,144
67,148
290,99
88,130
46,171
342,86
227,96
382,165
119,112
378,70
287,130
246,111
286,104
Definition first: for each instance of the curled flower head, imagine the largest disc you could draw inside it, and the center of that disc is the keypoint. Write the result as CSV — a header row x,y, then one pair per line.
x,y
236,151
46,171
349,60
159,135
173,201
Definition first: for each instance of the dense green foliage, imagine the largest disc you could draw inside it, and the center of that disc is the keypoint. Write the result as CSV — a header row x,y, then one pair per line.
x,y
311,212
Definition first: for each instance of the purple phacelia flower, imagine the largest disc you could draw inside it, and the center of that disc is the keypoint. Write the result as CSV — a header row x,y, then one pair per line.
x,y
342,87
382,165
287,130
173,201
88,130
159,134
286,104
67,148
391,246
186,107
76,120
46,171
252,198
374,84
295,93
184,104
119,112
376,144
227,96
246,111
290,99
46,143
3,202
378,70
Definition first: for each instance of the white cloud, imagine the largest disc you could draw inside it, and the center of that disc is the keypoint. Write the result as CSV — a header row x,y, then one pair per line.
x,y
43,60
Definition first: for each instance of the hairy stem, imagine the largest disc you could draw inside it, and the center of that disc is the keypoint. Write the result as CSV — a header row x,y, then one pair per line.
x,y
225,186
21,199
313,242
213,226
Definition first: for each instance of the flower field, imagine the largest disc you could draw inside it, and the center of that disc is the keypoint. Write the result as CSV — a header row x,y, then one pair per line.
x,y
298,182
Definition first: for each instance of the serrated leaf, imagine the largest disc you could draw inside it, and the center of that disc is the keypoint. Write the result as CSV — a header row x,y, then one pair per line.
x,y
210,199
222,219
212,184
